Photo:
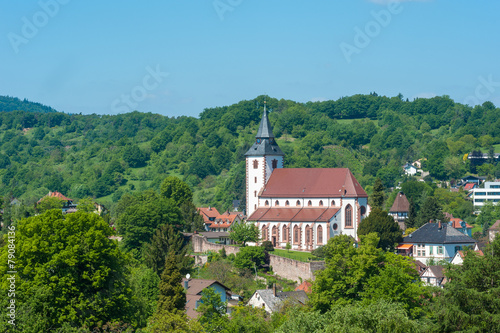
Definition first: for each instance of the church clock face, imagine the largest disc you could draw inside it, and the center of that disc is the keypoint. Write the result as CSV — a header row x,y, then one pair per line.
x,y
258,140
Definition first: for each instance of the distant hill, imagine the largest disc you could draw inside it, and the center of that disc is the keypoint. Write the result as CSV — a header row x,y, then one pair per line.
x,y
8,104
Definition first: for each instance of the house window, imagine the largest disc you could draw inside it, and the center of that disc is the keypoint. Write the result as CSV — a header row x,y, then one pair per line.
x,y
276,203
298,203
267,203
440,250
320,234
430,250
255,164
287,203
275,163
309,203
348,216
321,203
457,248
296,233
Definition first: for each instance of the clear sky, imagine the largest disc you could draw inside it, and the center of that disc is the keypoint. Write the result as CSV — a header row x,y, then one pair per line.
x,y
177,57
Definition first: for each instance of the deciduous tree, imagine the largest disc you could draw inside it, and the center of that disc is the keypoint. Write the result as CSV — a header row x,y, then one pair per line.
x,y
384,226
244,232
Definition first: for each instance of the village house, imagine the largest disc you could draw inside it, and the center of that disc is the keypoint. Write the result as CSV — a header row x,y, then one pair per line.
x,y
438,241
410,169
272,300
400,210
458,259
433,276
194,289
68,205
303,207
461,226
225,222
493,231
490,193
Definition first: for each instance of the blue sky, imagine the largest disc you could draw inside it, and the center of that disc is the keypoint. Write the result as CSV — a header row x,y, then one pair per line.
x,y
177,57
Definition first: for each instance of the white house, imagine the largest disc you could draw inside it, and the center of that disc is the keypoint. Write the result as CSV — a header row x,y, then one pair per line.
x,y
410,169
433,276
303,207
439,241
271,300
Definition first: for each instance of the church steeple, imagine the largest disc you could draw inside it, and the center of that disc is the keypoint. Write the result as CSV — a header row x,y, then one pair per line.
x,y
264,139
265,130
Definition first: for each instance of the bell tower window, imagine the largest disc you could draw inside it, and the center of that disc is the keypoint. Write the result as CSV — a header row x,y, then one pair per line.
x,y
275,163
255,164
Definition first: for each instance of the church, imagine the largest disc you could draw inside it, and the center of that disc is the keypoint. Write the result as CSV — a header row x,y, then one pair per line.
x,y
303,207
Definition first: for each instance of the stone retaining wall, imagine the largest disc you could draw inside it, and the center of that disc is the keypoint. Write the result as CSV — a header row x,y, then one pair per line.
x,y
285,267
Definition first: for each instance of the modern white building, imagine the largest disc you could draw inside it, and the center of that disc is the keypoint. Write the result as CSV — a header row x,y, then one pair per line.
x,y
490,193
303,207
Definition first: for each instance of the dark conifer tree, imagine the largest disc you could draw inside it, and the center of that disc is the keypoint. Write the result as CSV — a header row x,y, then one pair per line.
x,y
172,295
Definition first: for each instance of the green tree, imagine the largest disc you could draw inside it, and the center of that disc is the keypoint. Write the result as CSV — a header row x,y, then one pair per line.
x,y
48,203
412,215
249,256
244,232
173,322
192,218
384,226
134,156
172,295
378,195
177,190
167,239
212,311
69,271
248,319
86,205
470,302
145,212
430,210
352,275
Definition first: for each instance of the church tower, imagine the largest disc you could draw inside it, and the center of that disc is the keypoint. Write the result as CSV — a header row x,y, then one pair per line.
x,y
261,159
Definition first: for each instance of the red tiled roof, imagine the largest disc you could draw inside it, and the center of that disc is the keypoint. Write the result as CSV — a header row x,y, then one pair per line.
x,y
306,286
208,212
400,204
469,186
294,214
57,195
456,223
312,183
225,220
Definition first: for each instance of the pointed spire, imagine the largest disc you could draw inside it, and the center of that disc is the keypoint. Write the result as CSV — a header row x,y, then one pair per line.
x,y
265,130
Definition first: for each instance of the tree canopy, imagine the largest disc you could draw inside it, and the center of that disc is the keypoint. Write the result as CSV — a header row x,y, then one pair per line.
x,y
384,226
69,271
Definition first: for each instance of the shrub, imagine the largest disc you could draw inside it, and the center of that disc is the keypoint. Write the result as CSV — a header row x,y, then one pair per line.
x,y
267,245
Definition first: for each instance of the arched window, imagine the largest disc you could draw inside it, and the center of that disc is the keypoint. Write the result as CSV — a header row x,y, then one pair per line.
x,y
298,203
296,235
285,234
276,203
309,203
348,216
333,202
265,233
321,203
320,234
267,203
255,164
275,163
308,235
287,203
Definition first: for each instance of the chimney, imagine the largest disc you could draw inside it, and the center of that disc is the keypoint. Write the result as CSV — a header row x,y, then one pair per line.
x,y
439,224
274,289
